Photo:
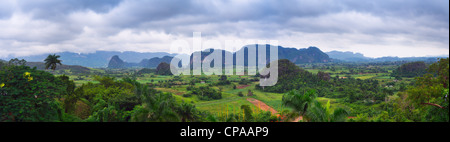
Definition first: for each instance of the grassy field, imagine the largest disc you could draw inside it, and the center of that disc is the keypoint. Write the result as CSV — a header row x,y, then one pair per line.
x,y
230,101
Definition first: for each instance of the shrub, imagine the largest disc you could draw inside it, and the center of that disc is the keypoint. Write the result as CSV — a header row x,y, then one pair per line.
x,y
29,95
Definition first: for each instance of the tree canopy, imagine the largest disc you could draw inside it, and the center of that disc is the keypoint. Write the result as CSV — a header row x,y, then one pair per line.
x,y
51,61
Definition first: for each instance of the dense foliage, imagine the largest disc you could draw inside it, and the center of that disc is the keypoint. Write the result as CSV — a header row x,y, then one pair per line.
x,y
431,92
29,95
223,80
204,93
307,106
163,69
412,69
328,92
427,100
292,77
32,95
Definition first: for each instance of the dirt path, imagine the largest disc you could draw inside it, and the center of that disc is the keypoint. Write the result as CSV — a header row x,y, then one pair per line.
x,y
242,86
261,105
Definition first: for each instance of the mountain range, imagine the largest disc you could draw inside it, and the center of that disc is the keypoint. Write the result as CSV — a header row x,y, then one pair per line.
x,y
114,59
347,56
98,59
358,57
298,56
117,63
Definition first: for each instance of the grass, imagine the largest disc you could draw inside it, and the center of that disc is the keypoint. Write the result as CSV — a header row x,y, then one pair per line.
x,y
273,100
333,102
230,100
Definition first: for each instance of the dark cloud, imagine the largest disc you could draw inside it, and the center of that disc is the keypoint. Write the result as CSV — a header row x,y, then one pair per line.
x,y
97,22
57,9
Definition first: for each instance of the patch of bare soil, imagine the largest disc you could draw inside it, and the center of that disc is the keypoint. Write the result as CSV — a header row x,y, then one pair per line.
x,y
261,105
242,86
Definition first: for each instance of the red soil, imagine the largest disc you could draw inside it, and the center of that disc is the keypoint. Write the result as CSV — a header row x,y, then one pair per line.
x,y
261,105
242,86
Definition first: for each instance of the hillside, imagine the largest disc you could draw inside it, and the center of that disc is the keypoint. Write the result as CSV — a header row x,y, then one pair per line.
x,y
298,56
412,69
73,68
98,59
116,62
154,62
290,76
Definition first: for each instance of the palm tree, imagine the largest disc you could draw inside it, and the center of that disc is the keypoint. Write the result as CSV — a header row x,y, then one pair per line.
x,y
51,61
318,113
156,108
306,105
187,112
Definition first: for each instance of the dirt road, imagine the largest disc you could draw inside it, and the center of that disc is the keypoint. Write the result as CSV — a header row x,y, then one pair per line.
x,y
263,106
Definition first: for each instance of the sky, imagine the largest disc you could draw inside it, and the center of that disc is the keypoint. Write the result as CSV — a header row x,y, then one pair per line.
x,y
375,28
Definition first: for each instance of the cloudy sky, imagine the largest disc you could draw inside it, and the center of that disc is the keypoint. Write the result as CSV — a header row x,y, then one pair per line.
x,y
373,27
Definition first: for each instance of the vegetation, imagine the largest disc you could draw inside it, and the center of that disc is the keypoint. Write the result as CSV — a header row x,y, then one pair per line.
x,y
30,95
51,61
163,69
314,92
412,69
205,93
431,91
351,90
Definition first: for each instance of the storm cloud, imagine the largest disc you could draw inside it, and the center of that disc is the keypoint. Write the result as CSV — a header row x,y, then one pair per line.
x,y
374,28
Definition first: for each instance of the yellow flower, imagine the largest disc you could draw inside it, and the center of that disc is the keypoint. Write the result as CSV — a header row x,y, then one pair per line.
x,y
1,85
28,76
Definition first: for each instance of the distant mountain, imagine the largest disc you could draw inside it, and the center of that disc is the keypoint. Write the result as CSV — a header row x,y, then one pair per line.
x,y
306,55
73,68
154,62
410,59
358,57
99,59
117,63
297,56
347,56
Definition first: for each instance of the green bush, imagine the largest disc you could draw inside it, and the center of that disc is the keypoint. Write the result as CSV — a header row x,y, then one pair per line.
x,y
29,95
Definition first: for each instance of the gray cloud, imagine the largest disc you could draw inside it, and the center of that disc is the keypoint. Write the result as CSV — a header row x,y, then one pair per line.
x,y
86,25
57,9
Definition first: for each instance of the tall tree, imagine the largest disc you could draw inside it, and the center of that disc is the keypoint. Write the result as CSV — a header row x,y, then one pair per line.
x,y
51,61
187,112
299,102
432,87
430,92
156,108
318,113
